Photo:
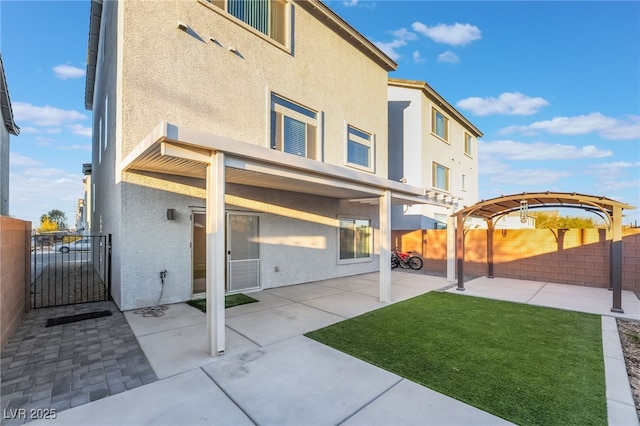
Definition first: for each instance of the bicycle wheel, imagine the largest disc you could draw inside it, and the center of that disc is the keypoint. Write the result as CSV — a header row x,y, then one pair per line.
x,y
415,262
394,262
404,264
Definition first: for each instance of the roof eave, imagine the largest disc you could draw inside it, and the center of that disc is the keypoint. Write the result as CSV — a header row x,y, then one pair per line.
x,y
431,93
5,104
92,51
319,9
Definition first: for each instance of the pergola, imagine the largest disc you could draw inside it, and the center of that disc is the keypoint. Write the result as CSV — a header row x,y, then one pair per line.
x,y
495,208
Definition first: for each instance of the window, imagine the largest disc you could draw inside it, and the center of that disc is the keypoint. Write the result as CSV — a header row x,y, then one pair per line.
x,y
359,148
464,182
440,177
106,122
266,16
294,128
440,125
468,140
100,141
440,221
355,239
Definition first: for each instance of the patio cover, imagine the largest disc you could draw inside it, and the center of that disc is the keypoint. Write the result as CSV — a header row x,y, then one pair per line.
x,y
173,150
610,210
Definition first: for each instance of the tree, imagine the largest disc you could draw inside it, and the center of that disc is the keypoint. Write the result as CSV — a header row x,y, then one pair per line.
x,y
555,221
55,217
46,225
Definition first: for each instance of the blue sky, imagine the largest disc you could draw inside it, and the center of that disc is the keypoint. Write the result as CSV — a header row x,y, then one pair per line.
x,y
554,86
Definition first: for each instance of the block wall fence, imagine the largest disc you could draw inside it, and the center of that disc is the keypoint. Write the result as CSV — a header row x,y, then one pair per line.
x,y
565,256
15,274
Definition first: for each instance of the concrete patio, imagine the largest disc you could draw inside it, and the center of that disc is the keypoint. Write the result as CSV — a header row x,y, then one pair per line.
x,y
271,374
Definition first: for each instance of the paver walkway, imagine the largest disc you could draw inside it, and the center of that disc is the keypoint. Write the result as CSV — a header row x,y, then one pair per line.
x,y
67,365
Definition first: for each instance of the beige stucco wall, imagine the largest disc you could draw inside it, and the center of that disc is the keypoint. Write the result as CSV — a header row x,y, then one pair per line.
x,y
411,117
153,72
14,274
185,78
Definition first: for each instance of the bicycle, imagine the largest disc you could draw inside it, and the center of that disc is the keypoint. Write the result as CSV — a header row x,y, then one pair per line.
x,y
405,260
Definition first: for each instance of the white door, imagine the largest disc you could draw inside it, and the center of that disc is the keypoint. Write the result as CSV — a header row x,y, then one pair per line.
x,y
243,252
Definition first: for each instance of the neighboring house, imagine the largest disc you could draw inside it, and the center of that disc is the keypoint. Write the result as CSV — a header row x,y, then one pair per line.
x,y
83,224
270,116
7,129
431,145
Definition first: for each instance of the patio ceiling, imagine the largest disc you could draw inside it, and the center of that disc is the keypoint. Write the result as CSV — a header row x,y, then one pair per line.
x,y
171,151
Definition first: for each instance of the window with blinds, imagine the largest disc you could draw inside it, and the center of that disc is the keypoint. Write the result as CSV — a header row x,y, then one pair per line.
x,y
266,16
294,128
440,176
359,148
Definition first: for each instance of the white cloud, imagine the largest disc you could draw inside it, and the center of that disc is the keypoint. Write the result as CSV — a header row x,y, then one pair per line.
x,y
578,125
614,185
455,35
350,3
390,48
44,116
404,34
44,141
448,56
85,147
36,191
417,58
509,103
64,72
512,150
502,173
624,130
26,130
16,159
81,130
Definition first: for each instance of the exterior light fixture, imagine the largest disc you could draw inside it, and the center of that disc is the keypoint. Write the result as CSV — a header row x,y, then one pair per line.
x,y
171,214
524,211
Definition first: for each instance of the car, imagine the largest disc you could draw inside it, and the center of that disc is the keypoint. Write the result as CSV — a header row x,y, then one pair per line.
x,y
83,244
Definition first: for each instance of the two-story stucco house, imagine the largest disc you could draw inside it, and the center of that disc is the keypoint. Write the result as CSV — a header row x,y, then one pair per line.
x,y
431,145
7,129
237,145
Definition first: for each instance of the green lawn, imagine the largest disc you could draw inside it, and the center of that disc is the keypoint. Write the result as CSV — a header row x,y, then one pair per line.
x,y
527,364
230,301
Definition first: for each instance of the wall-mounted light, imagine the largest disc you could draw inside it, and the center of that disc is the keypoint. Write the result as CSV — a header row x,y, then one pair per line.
x,y
171,214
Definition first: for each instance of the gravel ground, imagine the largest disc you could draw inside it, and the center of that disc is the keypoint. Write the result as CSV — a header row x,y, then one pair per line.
x,y
630,339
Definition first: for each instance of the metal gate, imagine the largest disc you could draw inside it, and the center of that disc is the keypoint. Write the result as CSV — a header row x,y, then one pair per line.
x,y
68,269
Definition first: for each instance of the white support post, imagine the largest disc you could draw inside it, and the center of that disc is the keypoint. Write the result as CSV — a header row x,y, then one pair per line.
x,y
215,254
385,247
451,247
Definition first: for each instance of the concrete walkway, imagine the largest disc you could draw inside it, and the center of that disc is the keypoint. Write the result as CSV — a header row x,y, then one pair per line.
x,y
271,374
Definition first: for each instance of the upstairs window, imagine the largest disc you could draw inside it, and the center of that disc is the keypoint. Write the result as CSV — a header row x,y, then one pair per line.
x,y
468,141
294,128
440,177
266,16
440,125
359,148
